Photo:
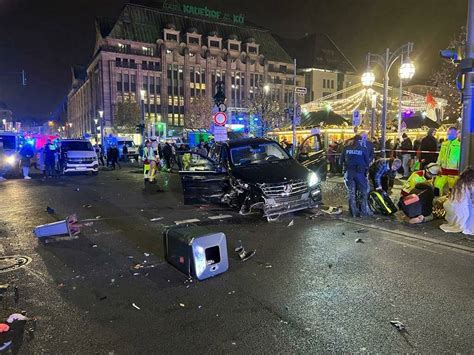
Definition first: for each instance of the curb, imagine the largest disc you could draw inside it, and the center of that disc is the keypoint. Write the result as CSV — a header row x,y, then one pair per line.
x,y
411,236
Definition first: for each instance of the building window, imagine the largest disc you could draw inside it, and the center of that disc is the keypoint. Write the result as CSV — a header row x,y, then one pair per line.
x,y
215,44
133,83
234,47
124,48
193,40
283,68
172,37
126,83
119,82
147,51
133,65
118,62
324,83
252,50
332,84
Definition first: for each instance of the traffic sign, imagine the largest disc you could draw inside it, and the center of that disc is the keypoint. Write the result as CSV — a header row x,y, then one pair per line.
x,y
301,90
356,118
298,111
220,118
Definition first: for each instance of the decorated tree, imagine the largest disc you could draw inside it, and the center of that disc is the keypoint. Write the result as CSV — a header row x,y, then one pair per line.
x,y
266,109
199,114
445,78
127,116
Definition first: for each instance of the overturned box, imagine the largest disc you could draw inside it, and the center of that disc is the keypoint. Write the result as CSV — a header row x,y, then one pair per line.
x,y
195,251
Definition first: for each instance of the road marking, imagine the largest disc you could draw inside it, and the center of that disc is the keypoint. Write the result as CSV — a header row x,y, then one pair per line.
x,y
222,216
192,220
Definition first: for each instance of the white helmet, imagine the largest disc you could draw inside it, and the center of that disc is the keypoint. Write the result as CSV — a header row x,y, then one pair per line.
x,y
433,169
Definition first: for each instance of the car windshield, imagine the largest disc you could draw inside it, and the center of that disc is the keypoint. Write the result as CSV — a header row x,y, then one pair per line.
x,y
8,142
257,153
76,145
127,143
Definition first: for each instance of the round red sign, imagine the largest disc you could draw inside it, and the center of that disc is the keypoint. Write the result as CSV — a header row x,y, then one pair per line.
x,y
220,118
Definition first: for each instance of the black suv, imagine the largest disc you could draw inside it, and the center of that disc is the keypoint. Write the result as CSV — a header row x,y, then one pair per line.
x,y
252,174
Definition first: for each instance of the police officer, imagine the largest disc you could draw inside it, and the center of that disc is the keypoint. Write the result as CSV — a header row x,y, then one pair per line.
x,y
355,159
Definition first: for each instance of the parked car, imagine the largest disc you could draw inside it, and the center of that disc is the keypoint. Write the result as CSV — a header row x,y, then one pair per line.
x,y
9,156
252,175
79,156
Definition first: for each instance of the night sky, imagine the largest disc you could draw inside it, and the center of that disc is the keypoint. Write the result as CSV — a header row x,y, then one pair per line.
x,y
45,37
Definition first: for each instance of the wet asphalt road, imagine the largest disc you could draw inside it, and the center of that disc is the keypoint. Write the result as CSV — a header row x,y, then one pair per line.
x,y
309,288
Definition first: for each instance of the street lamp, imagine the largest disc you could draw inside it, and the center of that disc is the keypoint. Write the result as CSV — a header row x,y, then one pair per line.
x,y
385,61
142,125
368,78
266,88
101,116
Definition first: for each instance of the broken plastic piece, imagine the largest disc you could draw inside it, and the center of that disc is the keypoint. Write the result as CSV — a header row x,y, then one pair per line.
x,y
182,305
291,223
399,325
67,226
156,219
359,240
134,305
332,210
87,206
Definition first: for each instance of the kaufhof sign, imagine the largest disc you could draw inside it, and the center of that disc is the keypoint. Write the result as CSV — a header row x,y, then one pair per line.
x,y
204,11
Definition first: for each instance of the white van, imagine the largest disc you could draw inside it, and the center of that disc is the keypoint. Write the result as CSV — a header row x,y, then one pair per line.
x,y
132,148
79,156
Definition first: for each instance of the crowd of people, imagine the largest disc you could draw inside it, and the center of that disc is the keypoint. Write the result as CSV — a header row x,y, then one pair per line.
x,y
429,176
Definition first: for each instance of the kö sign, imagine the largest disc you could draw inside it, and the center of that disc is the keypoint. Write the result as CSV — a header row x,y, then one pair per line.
x,y
203,11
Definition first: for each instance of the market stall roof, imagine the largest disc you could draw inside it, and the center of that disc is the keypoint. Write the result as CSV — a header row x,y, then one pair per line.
x,y
327,117
418,121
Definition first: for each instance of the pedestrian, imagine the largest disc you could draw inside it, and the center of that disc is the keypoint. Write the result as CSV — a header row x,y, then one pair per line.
x,y
49,159
426,175
339,149
149,157
114,155
332,158
460,205
167,155
26,153
428,148
201,149
406,146
355,160
382,173
99,150
448,158
125,152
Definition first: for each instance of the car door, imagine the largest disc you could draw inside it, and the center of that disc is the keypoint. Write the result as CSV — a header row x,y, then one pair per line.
x,y
201,178
313,156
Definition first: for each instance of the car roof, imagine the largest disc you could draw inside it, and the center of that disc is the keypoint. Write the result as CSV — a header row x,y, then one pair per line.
x,y
246,141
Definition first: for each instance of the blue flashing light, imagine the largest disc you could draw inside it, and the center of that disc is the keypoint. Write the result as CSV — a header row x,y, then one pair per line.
x,y
240,118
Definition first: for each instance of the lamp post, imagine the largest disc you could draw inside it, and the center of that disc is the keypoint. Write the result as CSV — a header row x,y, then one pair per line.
x,y
142,124
101,116
385,61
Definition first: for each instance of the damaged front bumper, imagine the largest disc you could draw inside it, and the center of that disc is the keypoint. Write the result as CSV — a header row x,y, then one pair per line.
x,y
276,206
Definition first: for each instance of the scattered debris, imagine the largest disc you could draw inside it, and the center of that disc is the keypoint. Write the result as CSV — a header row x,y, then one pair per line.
x,y
94,246
87,206
291,223
102,298
199,307
362,231
130,257
136,274
50,210
77,189
134,305
399,325
146,254
182,305
156,219
69,227
97,217
343,233
268,266
88,224
230,292
61,285
330,265
243,254
234,343
332,210
192,220
359,240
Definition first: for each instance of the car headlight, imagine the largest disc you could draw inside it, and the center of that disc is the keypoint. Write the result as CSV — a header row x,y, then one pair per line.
x,y
313,179
10,160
